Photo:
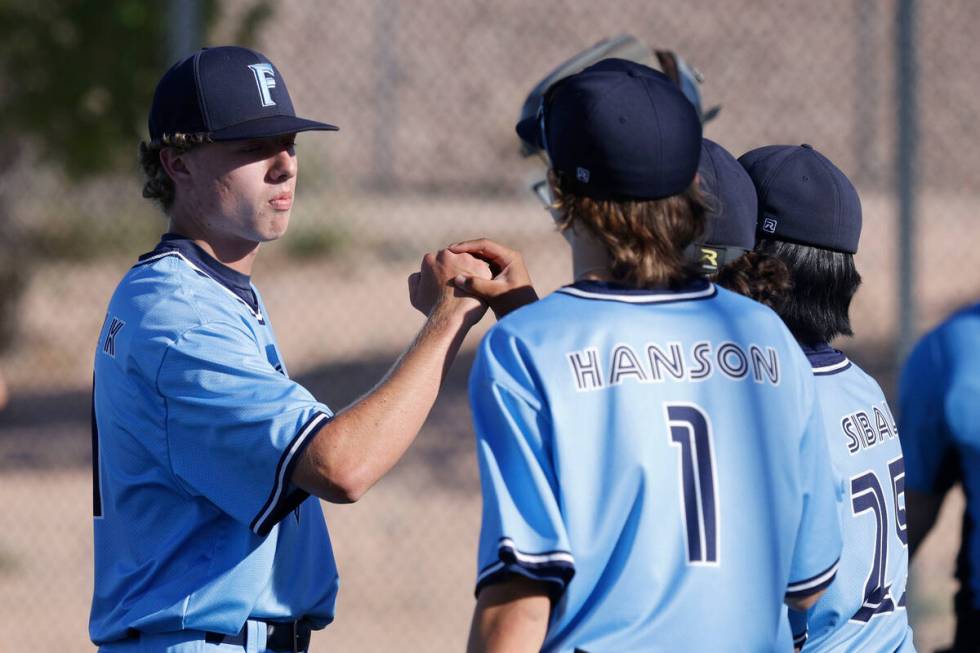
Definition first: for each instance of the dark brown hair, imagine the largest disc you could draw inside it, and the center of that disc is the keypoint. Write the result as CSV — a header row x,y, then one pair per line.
x,y
824,283
645,239
158,185
758,276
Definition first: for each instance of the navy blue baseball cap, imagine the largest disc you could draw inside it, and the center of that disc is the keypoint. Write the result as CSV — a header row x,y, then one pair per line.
x,y
618,130
804,198
732,201
732,208
229,93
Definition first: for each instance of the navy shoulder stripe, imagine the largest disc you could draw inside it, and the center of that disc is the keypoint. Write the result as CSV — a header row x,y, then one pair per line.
x,y
280,503
836,368
824,359
553,567
632,296
814,584
146,259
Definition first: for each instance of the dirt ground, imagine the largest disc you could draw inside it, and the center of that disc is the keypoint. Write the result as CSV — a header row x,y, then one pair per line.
x,y
406,551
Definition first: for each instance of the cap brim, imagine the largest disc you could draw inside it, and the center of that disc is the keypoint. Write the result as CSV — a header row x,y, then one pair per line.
x,y
271,126
529,130
623,46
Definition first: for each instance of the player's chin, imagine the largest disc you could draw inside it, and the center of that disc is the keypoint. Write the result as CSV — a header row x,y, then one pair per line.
x,y
276,226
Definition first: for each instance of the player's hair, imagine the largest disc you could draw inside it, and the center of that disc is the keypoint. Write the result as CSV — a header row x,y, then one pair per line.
x,y
758,276
824,283
158,185
645,239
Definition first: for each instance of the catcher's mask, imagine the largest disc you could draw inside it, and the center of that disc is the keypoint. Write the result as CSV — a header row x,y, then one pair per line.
x,y
624,46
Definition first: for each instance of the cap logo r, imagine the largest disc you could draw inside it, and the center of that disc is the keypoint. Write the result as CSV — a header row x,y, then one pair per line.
x,y
769,225
709,258
582,174
265,79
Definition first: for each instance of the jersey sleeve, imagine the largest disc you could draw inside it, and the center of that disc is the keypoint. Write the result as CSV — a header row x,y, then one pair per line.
x,y
818,540
236,426
522,530
929,460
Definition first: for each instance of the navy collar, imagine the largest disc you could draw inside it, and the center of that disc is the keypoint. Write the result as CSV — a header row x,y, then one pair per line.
x,y
824,359
697,288
237,283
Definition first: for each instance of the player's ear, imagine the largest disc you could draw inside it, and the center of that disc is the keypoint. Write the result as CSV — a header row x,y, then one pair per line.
x,y
174,163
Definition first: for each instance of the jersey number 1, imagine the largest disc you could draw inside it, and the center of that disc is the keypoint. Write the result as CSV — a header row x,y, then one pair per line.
x,y
690,431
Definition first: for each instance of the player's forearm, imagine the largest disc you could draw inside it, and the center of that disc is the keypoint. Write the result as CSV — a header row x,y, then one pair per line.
x,y
364,441
509,620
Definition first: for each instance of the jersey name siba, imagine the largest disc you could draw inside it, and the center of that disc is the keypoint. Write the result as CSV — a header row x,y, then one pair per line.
x,y
656,363
864,429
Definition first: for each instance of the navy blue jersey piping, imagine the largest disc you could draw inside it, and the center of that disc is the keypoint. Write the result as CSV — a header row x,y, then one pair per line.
x,y
553,567
824,359
810,586
283,497
697,289
237,283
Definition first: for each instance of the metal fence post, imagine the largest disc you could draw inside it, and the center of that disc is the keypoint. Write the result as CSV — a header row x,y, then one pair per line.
x,y
905,170
183,28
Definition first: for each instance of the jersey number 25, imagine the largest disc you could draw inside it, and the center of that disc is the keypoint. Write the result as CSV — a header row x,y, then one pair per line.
x,y
867,495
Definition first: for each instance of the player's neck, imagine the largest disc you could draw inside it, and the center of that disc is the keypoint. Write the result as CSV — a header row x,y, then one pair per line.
x,y
237,254
590,260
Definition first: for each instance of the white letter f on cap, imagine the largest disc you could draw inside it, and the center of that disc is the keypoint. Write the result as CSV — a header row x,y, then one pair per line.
x,y
265,78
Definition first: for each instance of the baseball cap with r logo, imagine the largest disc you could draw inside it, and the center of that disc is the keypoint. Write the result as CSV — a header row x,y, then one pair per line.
x,y
804,198
229,93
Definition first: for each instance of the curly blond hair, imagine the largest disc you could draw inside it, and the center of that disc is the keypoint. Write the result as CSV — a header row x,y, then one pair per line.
x,y
158,185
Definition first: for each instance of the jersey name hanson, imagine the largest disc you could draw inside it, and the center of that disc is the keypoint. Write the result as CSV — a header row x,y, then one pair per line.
x,y
658,363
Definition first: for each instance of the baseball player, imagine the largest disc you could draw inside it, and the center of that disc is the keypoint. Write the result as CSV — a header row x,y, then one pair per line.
x,y
809,216
207,458
940,422
726,251
642,482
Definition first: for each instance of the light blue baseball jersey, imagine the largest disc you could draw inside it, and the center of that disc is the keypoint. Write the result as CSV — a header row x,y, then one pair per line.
x,y
864,609
196,430
656,458
939,397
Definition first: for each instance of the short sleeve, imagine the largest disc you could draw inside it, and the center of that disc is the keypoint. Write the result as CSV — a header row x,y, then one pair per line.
x,y
925,443
818,541
235,425
522,531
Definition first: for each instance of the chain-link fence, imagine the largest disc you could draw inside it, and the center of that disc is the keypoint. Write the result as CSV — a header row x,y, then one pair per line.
x,y
426,94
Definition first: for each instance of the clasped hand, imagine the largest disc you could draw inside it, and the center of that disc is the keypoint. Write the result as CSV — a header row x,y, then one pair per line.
x,y
476,273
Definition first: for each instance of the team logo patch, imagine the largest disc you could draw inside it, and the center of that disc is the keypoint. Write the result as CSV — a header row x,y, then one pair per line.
x,y
582,174
265,79
769,225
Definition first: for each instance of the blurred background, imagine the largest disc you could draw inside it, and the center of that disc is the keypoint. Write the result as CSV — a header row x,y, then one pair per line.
x,y
426,94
